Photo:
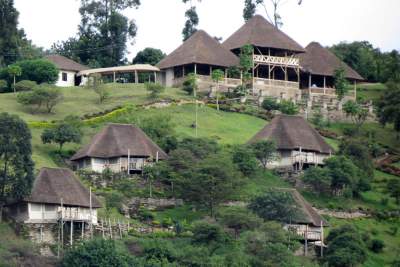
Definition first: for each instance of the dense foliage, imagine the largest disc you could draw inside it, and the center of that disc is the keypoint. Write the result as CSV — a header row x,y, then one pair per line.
x,y
192,20
149,56
61,134
388,105
44,95
16,174
103,33
371,63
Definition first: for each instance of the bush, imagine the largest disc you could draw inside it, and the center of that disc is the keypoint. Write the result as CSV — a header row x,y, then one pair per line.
x,y
270,104
3,86
207,233
288,107
25,85
38,70
155,89
377,245
42,95
190,84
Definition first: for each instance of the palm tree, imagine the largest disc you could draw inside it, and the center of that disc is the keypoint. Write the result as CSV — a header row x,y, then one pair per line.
x,y
14,70
217,76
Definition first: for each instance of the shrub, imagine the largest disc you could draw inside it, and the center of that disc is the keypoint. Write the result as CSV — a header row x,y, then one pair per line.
x,y
377,245
42,95
25,85
288,107
270,104
155,89
38,70
206,233
3,86
97,252
244,158
190,84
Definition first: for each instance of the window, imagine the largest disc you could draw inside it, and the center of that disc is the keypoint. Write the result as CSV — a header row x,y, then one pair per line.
x,y
64,76
50,208
99,161
36,207
113,161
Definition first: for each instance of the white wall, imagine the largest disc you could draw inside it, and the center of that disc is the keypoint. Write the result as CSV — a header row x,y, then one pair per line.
x,y
169,77
70,78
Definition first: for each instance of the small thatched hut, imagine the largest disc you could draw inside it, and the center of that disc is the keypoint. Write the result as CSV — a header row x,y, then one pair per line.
x,y
56,193
115,146
199,54
298,144
318,70
68,70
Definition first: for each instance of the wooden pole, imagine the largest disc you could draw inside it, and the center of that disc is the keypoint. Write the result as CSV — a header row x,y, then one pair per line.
x,y
110,227
324,85
195,68
102,228
322,239
119,228
136,77
114,76
62,224
90,213
306,241
129,159
355,90
155,77
71,233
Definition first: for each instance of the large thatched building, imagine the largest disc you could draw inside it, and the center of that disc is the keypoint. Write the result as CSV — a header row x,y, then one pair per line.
x,y
200,54
298,144
120,148
276,69
318,71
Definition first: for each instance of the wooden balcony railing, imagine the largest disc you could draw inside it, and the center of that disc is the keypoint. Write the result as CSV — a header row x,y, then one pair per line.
x,y
280,61
275,83
75,214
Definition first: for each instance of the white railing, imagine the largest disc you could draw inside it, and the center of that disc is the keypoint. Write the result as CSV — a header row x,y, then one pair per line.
x,y
208,80
76,214
272,60
307,157
325,91
276,83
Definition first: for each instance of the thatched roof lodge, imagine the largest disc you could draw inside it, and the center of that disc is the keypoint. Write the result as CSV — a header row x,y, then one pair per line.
x,y
56,193
318,70
199,54
276,64
115,146
299,145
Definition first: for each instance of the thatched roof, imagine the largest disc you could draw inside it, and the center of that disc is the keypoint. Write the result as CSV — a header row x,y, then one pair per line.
x,y
115,140
52,185
64,63
319,60
121,69
257,31
293,132
308,215
200,48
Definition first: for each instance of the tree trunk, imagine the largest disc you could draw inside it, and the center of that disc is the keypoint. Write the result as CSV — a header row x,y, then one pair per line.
x,y
217,96
1,211
14,85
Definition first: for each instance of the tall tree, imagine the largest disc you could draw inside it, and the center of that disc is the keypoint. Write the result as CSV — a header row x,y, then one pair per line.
x,y
274,17
192,20
13,43
103,33
149,56
340,82
388,106
16,171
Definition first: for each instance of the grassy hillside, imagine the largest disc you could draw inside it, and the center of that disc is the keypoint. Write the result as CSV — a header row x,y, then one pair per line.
x,y
370,91
80,101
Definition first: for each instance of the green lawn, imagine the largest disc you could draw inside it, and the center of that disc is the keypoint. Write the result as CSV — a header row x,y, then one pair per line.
x,y
80,101
370,91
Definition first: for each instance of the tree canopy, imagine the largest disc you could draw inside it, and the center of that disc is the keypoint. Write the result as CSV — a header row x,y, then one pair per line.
x,y
149,56
103,33
16,172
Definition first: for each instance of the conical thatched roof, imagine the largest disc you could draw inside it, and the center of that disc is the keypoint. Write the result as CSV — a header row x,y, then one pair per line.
x,y
64,63
115,140
200,48
319,60
52,185
293,132
257,31
307,214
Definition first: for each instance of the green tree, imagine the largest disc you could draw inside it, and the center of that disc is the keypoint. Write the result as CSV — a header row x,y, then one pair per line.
x,y
103,33
38,70
275,206
149,56
388,106
345,247
356,112
208,233
340,82
14,71
25,85
358,152
42,95
61,134
265,151
211,182
319,179
3,86
249,9
246,64
192,20
217,76
155,89
16,172
95,82
239,219
190,84
393,187
98,252
243,157
270,104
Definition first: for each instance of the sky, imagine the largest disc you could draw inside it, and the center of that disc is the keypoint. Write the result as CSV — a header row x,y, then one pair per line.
x,y
160,22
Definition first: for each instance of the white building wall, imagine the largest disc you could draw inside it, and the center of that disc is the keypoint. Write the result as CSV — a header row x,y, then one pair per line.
x,y
70,78
169,77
